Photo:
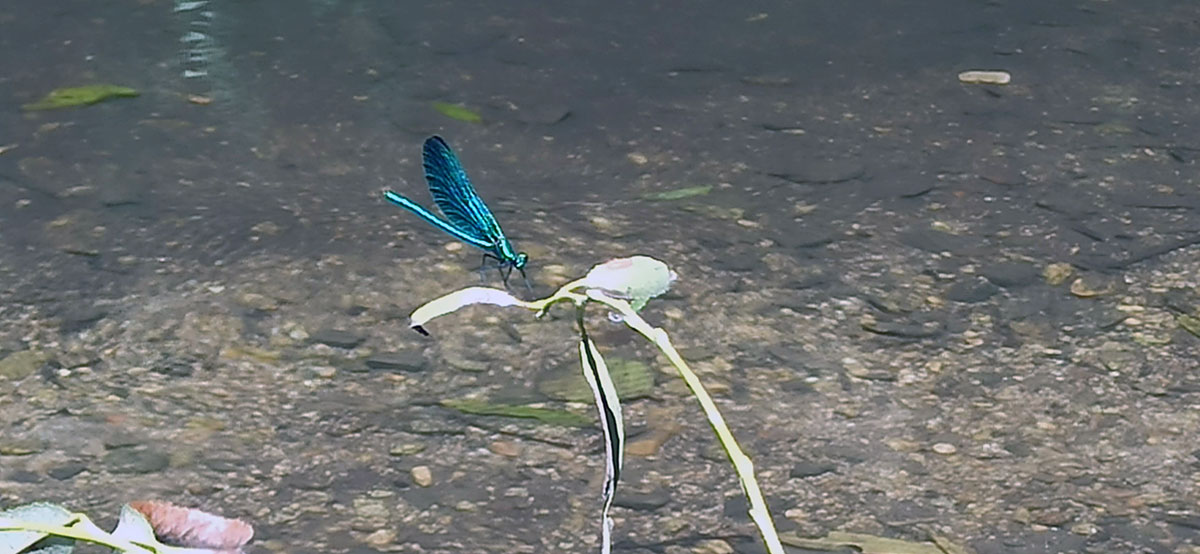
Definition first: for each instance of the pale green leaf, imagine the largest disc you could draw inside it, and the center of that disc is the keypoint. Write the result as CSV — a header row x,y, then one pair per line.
x,y
41,513
455,111
79,96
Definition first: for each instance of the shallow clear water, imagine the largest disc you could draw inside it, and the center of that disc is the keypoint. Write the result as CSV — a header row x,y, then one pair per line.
x,y
887,260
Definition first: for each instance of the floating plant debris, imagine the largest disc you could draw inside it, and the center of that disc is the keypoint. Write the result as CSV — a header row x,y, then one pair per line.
x,y
73,97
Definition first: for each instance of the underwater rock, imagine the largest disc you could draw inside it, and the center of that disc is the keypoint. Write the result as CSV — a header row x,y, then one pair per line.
x,y
136,460
337,338
19,365
408,360
971,290
809,468
1010,274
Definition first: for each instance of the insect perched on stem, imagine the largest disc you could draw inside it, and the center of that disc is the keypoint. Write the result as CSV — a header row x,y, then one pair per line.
x,y
467,218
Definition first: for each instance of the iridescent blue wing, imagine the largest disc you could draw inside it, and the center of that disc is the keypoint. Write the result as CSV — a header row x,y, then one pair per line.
x,y
455,197
438,222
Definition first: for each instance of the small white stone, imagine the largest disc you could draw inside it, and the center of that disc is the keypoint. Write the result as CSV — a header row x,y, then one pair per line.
x,y
324,372
381,537
945,448
422,476
977,77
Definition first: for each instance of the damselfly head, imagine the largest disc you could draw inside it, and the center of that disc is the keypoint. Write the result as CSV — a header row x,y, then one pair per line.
x,y
520,261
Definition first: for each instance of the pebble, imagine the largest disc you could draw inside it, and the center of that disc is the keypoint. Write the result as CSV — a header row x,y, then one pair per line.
x,y
645,501
255,301
81,317
1180,299
654,439
806,237
20,447
1051,517
465,506
382,537
337,338
370,509
945,448
422,476
810,468
508,449
407,449
971,290
1003,175
1085,529
1189,324
1114,356
848,410
66,471
298,334
1010,274
981,77
1082,289
1058,273
461,363
24,476
643,448
903,329
931,240
713,546
1102,317
857,369
405,360
136,460
324,372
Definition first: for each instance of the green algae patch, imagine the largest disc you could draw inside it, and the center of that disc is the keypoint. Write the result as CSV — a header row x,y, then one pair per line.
x,y
545,415
73,97
633,379
1189,324
19,365
454,111
870,544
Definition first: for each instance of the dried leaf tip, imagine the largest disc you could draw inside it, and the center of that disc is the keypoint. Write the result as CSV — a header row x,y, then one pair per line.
x,y
193,528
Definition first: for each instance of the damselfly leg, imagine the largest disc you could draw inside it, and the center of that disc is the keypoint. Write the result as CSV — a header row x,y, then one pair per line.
x,y
501,266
